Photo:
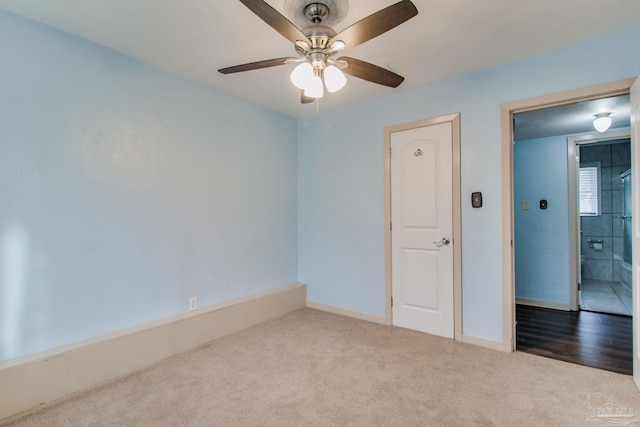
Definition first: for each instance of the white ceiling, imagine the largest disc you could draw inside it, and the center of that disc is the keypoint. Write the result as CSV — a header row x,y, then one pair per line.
x,y
194,38
571,119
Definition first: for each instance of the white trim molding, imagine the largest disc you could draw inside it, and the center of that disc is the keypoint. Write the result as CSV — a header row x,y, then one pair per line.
x,y
507,110
483,342
544,304
31,381
348,313
454,119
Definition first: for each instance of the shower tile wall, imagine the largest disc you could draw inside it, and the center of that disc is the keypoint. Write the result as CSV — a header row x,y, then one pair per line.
x,y
606,264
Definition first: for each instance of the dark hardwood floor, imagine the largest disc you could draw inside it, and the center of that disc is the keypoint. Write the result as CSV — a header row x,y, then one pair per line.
x,y
598,340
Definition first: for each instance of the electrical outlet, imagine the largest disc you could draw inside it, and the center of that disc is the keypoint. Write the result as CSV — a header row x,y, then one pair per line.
x,y
193,303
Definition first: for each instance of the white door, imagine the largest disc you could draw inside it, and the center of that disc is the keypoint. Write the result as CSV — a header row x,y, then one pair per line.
x,y
422,229
635,250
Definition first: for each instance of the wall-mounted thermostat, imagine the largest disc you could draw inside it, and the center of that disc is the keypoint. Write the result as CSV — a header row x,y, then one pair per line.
x,y
543,204
476,200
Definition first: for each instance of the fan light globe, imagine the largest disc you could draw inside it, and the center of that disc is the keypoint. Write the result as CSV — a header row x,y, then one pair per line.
x,y
602,122
334,79
336,46
302,75
315,88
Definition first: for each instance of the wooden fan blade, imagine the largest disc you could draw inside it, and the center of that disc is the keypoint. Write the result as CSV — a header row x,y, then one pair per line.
x,y
275,20
305,99
254,65
373,73
376,24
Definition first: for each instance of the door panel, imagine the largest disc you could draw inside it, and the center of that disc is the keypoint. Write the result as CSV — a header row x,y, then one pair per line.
x,y
418,290
422,227
418,191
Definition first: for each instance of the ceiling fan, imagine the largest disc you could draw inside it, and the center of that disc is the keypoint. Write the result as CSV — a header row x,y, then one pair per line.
x,y
316,43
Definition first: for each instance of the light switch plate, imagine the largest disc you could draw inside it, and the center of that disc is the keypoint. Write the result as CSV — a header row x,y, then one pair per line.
x,y
524,205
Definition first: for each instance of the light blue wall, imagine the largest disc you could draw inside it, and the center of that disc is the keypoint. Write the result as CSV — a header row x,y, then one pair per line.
x,y
124,191
340,193
541,236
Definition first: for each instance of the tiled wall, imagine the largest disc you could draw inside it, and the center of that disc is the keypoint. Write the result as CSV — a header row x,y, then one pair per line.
x,y
607,264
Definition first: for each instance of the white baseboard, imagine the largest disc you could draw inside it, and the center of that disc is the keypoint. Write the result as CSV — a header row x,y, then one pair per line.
x,y
543,304
483,342
468,339
30,381
347,313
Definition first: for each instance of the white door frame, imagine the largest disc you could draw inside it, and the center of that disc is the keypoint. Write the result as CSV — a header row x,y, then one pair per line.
x,y
620,87
574,216
454,119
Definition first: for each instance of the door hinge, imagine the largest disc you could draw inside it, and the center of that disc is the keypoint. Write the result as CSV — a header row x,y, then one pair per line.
x,y
391,226
391,301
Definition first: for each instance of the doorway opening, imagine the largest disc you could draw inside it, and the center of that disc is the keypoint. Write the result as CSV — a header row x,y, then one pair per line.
x,y
544,269
603,167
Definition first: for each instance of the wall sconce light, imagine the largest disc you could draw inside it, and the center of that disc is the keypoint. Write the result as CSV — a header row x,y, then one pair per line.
x,y
602,122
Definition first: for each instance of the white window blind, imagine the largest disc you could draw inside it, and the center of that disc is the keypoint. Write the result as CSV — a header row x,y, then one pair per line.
x,y
589,183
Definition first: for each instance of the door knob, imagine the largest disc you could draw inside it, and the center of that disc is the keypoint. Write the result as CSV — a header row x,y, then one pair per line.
x,y
444,241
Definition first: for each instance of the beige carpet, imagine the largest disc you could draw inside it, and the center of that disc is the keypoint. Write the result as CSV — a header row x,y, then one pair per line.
x,y
310,368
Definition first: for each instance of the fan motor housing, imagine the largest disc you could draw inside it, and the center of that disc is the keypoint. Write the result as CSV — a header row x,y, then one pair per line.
x,y
302,12
319,35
